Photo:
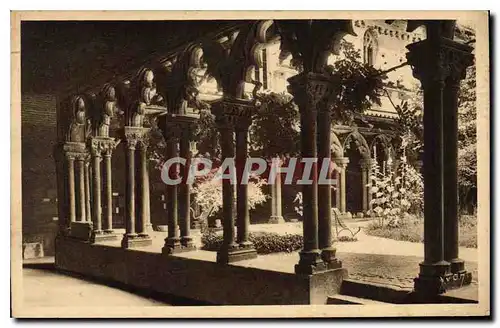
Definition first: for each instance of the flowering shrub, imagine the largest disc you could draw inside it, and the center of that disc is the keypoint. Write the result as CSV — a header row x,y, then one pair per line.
x,y
396,193
208,194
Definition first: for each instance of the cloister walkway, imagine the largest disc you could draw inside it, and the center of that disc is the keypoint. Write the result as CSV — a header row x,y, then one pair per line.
x,y
370,259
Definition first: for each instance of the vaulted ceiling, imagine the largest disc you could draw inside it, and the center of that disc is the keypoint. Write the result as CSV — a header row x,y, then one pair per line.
x,y
68,56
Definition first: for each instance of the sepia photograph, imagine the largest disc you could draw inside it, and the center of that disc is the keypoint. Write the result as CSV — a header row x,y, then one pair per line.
x,y
292,164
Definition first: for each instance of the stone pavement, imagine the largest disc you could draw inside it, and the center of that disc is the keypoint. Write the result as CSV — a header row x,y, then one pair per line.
x,y
43,286
366,244
370,259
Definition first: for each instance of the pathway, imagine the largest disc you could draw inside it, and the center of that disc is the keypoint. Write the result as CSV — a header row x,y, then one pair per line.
x,y
43,286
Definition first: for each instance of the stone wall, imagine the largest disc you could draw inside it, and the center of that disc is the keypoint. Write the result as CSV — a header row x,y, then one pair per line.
x,y
39,190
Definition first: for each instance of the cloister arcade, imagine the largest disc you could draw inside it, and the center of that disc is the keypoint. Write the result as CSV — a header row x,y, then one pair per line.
x,y
166,92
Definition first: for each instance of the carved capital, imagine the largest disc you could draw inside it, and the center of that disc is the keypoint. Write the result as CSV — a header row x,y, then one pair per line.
x,y
102,146
136,136
435,61
235,114
309,90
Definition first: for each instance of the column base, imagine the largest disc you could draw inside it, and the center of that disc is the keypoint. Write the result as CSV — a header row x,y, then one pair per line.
x,y
225,256
275,219
328,257
310,263
432,278
457,265
149,227
100,235
134,240
173,246
438,285
81,231
187,242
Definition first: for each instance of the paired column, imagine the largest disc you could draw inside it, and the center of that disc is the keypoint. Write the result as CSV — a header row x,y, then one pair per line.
x,y
178,135
136,235
102,184
432,64
77,190
228,124
307,92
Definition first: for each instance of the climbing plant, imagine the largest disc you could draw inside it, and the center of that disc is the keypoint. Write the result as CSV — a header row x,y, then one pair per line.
x,y
396,193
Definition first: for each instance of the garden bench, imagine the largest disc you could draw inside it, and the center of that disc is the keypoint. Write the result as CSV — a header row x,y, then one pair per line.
x,y
340,223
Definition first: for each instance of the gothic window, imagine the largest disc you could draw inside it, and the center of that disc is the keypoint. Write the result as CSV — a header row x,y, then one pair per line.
x,y
369,48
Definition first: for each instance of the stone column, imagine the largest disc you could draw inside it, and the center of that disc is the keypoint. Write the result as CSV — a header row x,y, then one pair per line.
x,y
230,114
173,241
81,190
451,206
96,184
229,244
365,178
325,189
108,191
71,188
338,202
130,213
432,61
135,236
276,207
243,214
185,190
87,191
308,89
342,163
144,191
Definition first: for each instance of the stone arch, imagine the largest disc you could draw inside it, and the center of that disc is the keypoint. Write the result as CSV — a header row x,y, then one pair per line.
x,y
360,142
357,151
337,150
383,151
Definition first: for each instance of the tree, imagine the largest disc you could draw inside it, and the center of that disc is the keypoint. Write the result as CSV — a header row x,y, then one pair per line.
x,y
467,140
276,128
410,130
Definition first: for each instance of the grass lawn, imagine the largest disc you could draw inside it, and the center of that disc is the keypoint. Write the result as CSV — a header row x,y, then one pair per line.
x,y
413,231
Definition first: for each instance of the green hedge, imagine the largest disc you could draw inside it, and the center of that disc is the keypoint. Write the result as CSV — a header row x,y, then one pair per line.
x,y
264,242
